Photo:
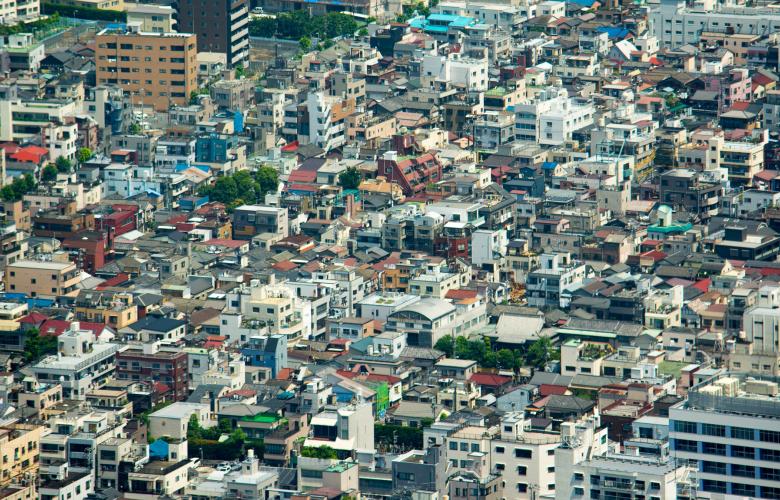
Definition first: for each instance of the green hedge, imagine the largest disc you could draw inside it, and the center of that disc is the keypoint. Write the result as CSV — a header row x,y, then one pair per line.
x,y
85,12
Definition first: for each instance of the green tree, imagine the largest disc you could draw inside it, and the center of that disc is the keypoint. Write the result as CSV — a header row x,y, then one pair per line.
x,y
18,188
446,345
350,178
268,178
49,173
263,27
134,128
506,359
539,353
325,452
36,346
63,165
305,43
362,32
194,429
84,154
240,71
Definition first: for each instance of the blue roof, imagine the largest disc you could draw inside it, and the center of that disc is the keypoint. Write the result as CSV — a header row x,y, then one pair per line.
x,y
159,449
584,3
549,165
613,31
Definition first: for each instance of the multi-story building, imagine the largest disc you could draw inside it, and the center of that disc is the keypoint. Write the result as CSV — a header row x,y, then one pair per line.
x,y
158,69
347,429
685,189
761,322
25,120
117,310
493,129
729,428
150,363
253,220
270,351
551,117
25,10
545,286
81,364
220,27
42,278
20,448
327,123
152,18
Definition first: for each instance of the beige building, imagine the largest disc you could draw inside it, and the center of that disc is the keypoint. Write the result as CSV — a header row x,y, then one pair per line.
x,y
152,18
96,4
158,69
20,449
42,278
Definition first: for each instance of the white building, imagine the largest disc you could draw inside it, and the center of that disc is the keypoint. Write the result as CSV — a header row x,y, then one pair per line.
x,y
81,364
551,117
762,321
674,24
346,429
468,73
129,180
173,420
327,124
731,429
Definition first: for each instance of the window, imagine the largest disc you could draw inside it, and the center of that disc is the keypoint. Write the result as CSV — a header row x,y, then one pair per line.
x,y
522,487
522,470
769,436
713,430
743,452
405,476
520,453
714,448
453,445
499,449
683,426
743,470
713,467
743,489
685,445
742,433
714,486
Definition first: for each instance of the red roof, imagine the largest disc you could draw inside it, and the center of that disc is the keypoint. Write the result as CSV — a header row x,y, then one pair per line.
x,y
302,176
34,318
490,379
161,388
458,294
95,328
225,243
116,280
703,285
30,153
552,390
54,327
290,147
284,374
244,393
285,265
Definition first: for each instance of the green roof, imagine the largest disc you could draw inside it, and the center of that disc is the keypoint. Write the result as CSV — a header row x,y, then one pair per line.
x,y
262,418
496,91
586,333
671,368
674,228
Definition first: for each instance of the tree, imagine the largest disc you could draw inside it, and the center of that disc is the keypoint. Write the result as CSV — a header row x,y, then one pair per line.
x,y
84,154
49,173
350,178
305,43
539,353
506,359
446,345
36,346
324,452
362,32
240,71
194,430
134,129
18,188
268,178
63,165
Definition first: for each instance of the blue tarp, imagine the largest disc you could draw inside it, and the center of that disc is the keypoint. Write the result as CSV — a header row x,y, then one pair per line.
x,y
158,449
613,32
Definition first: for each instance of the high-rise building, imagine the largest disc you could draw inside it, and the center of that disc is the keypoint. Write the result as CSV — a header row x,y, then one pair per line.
x,y
157,69
220,26
730,429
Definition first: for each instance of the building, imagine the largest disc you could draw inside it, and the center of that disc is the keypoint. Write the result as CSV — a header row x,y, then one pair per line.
x,y
152,18
220,27
686,189
20,447
151,364
730,429
81,364
42,278
27,10
268,351
117,310
252,220
348,430
547,284
761,322
24,120
552,117
127,57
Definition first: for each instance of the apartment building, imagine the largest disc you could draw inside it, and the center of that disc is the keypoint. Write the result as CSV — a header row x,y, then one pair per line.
x,y
42,278
22,10
152,18
158,69
81,364
684,188
328,119
546,285
220,26
674,23
149,363
20,449
117,310
551,117
761,321
253,220
348,429
729,428
22,120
